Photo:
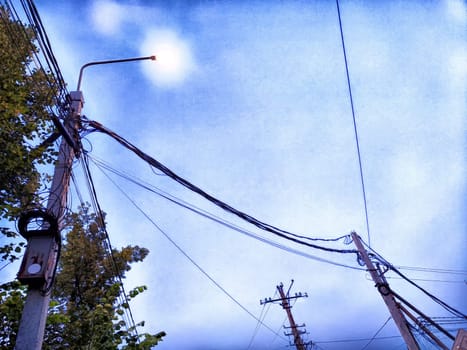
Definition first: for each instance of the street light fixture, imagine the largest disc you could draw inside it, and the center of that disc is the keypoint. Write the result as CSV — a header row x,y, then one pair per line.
x,y
153,58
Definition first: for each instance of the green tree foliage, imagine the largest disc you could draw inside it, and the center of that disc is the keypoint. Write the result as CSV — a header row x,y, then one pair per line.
x,y
26,95
87,302
87,306
12,297
87,298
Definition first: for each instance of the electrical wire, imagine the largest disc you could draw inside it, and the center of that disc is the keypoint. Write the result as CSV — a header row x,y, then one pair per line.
x,y
102,165
50,69
428,280
248,218
433,270
97,208
262,316
193,262
376,334
388,265
354,123
356,340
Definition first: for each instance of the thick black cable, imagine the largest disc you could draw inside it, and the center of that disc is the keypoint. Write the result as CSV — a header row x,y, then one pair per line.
x,y
262,225
354,123
447,307
210,216
427,318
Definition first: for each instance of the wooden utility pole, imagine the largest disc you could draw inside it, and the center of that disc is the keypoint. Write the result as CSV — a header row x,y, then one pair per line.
x,y
284,299
44,239
383,289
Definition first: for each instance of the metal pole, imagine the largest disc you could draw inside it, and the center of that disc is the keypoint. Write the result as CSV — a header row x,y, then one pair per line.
x,y
388,298
32,326
153,58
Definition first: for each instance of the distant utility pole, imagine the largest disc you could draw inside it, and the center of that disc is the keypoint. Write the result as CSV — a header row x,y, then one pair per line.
x,y
383,288
41,228
294,328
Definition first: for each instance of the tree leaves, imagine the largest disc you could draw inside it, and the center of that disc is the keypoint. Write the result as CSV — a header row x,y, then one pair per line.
x,y
26,96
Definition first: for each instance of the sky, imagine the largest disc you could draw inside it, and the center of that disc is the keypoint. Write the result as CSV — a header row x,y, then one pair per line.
x,y
249,101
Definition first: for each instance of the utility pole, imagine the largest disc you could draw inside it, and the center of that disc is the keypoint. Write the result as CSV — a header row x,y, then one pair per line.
x,y
383,289
42,230
284,299
42,227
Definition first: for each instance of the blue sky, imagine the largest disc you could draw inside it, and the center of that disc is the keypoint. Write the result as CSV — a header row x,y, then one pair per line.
x,y
249,101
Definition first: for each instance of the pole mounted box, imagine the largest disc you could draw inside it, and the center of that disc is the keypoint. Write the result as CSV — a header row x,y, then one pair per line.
x,y
41,231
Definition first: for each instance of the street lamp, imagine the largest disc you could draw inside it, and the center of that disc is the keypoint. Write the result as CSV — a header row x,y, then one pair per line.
x,y
153,58
41,227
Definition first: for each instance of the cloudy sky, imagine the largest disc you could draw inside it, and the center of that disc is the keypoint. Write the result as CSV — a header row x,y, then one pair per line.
x,y
249,101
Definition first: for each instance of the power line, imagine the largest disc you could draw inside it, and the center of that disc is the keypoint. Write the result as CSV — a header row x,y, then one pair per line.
x,y
118,273
262,316
246,217
376,334
356,340
433,270
354,123
101,164
189,257
429,280
443,304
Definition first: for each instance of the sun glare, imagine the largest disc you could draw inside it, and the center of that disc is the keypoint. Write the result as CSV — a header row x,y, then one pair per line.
x,y
174,59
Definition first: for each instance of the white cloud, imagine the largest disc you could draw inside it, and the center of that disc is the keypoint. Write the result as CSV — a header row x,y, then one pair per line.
x,y
107,16
457,10
174,58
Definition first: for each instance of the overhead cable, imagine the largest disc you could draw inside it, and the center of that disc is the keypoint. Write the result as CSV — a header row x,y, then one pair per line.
x,y
388,265
354,123
102,165
248,218
182,251
376,334
110,251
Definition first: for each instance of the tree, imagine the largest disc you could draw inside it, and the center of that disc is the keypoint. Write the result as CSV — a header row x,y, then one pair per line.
x,y
12,296
26,97
87,302
87,298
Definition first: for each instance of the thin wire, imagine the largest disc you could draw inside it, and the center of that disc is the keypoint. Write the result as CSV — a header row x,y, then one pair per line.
x,y
376,334
433,270
262,316
191,259
447,307
77,190
355,340
354,123
100,164
98,210
427,280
